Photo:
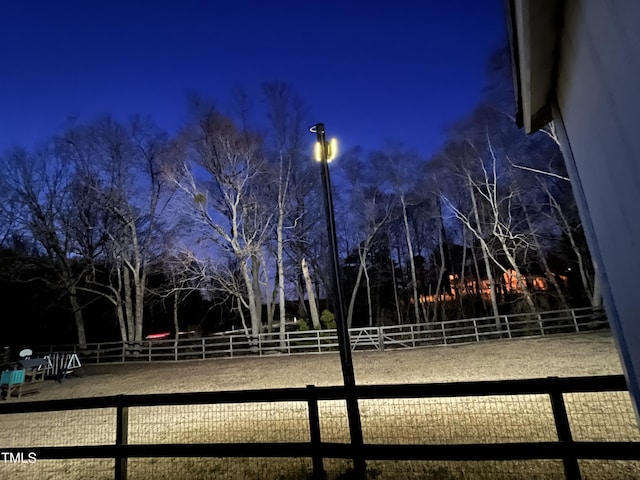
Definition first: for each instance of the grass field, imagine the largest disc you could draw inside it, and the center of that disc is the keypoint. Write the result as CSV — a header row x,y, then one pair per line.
x,y
440,421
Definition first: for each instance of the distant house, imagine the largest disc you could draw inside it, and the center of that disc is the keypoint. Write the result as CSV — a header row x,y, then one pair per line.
x,y
470,287
577,62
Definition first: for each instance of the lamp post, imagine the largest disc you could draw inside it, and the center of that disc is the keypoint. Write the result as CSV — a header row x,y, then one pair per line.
x,y
324,153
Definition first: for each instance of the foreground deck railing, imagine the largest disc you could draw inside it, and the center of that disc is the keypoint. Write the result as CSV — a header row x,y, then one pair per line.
x,y
543,428
237,343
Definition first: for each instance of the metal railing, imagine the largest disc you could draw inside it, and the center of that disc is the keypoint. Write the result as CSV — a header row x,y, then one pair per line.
x,y
569,422
237,343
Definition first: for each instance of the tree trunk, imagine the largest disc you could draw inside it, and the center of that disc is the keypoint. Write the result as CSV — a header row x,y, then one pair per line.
x,y
462,281
78,318
128,305
486,256
74,302
395,288
256,326
440,272
368,284
519,277
315,319
545,265
586,285
303,311
354,293
257,290
596,298
140,289
176,325
412,263
281,297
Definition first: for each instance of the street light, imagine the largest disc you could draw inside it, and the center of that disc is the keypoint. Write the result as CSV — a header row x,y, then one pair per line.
x,y
324,153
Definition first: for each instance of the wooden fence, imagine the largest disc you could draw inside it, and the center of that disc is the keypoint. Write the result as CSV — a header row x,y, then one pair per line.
x,y
544,402
237,343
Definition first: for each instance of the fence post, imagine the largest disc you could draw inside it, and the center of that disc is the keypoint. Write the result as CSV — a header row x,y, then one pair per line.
x,y
380,339
98,354
540,324
570,460
123,349
444,334
314,427
230,346
122,434
413,337
204,350
506,323
475,328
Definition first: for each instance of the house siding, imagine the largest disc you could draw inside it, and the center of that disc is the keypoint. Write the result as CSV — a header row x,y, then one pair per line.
x,y
598,98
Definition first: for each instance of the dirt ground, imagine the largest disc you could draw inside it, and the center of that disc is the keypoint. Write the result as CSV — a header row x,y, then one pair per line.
x,y
560,355
607,416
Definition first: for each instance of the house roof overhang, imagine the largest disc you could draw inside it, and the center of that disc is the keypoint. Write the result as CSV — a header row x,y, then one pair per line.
x,y
534,28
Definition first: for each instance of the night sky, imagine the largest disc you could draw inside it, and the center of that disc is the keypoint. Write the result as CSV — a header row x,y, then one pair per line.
x,y
371,71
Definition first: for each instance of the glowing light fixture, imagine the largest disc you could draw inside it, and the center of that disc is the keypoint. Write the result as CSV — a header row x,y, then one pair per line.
x,y
332,150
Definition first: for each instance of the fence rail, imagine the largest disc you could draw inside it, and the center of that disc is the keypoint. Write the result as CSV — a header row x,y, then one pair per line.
x,y
560,414
237,343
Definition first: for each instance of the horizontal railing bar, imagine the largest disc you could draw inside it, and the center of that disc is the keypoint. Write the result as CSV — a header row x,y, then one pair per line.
x,y
459,452
535,386
505,451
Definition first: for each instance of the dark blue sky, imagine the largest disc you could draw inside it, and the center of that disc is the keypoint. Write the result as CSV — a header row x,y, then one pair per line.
x,y
371,71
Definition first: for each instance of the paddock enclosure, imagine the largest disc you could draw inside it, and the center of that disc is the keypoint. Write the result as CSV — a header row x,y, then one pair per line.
x,y
243,423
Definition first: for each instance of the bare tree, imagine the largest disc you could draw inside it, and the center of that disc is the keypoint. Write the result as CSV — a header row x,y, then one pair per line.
x,y
118,170
500,219
220,172
286,115
39,184
399,169
369,211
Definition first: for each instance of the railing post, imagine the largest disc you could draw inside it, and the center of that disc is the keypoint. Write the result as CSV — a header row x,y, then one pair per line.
x,y
380,339
123,350
230,346
570,460
314,429
413,337
475,328
122,434
98,354
204,350
506,324
444,334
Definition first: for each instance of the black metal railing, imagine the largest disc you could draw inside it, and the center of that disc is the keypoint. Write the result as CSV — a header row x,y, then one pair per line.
x,y
547,401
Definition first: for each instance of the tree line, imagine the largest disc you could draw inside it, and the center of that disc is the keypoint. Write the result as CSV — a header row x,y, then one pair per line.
x,y
113,229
